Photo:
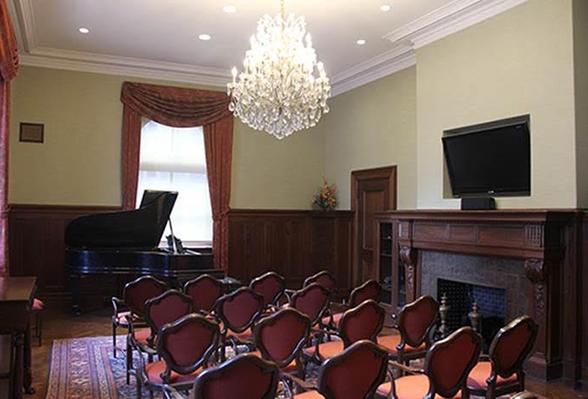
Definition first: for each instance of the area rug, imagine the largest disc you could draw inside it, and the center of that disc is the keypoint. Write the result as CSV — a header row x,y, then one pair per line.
x,y
84,368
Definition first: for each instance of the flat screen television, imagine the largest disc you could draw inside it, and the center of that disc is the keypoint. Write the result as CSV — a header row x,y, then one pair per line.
x,y
489,159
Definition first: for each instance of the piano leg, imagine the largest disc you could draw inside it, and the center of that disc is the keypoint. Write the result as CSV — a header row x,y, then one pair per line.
x,y
16,384
75,281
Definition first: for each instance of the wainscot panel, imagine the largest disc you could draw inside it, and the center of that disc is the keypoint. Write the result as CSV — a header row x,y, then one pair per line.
x,y
293,243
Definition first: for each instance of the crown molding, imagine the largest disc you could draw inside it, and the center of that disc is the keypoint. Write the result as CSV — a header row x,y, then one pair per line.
x,y
451,18
400,57
124,66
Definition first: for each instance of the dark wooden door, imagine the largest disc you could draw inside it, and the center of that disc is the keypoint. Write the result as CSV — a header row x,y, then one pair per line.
x,y
372,191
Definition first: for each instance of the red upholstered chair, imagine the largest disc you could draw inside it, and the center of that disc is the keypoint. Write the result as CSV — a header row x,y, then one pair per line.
x,y
501,372
163,309
323,278
447,365
237,312
184,347
129,312
415,322
312,300
355,373
371,289
204,291
271,286
362,322
281,337
244,377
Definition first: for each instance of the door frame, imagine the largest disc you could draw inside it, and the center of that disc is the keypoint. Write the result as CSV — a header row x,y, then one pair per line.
x,y
386,172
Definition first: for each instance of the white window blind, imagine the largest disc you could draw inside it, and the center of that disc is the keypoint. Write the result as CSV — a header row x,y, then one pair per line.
x,y
174,159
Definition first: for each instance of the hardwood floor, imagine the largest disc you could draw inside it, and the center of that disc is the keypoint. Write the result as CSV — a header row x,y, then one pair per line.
x,y
58,323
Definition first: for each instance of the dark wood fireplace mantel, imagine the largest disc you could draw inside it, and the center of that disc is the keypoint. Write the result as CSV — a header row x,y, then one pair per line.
x,y
548,242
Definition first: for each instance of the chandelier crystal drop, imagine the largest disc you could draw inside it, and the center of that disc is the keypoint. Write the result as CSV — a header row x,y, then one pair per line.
x,y
282,88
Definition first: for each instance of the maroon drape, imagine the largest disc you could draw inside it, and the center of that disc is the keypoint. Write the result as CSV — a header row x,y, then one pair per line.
x,y
182,107
8,69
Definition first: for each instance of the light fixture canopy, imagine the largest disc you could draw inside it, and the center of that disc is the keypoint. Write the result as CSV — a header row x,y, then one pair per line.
x,y
283,88
204,37
83,30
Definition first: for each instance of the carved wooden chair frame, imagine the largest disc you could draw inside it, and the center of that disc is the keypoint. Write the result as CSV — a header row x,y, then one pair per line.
x,y
227,325
405,338
217,372
271,275
166,356
219,284
156,301
304,291
297,352
493,391
353,302
315,277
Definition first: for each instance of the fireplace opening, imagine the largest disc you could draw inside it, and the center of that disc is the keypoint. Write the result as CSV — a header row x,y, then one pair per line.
x,y
460,298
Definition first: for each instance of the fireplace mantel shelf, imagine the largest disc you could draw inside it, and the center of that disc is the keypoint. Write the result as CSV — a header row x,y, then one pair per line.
x,y
545,239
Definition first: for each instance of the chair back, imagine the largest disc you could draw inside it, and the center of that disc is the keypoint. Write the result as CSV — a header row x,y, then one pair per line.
x,y
371,289
416,319
450,360
511,346
186,344
355,373
323,278
312,300
270,286
138,291
166,308
245,376
362,322
239,309
281,336
204,291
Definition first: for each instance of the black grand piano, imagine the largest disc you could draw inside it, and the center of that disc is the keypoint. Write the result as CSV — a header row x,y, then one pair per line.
x,y
127,243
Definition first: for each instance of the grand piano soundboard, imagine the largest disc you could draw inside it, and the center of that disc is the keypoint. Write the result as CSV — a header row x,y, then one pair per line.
x,y
127,243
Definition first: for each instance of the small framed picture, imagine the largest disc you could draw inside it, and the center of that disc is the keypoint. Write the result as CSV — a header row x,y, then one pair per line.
x,y
31,132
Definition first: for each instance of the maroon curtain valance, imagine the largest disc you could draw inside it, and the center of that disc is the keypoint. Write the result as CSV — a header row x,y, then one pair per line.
x,y
175,106
8,46
182,107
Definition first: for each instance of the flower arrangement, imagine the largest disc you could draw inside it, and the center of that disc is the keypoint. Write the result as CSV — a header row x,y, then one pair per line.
x,y
326,199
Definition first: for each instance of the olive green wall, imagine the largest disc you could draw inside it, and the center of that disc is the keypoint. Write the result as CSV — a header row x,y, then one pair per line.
x,y
581,91
518,62
373,126
79,162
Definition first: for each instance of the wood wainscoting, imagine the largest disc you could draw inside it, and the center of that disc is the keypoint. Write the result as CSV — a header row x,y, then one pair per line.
x,y
293,243
36,242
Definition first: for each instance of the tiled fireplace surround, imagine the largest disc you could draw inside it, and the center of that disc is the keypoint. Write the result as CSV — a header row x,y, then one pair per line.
x,y
535,255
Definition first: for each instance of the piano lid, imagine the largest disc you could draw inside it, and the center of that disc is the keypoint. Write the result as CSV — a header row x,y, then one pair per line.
x,y
139,228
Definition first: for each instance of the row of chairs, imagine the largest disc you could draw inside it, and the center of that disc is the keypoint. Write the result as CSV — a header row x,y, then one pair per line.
x,y
186,342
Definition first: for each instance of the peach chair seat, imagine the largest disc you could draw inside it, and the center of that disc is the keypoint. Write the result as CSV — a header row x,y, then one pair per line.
x,y
336,319
141,335
288,369
481,372
409,387
327,350
154,370
309,395
122,318
38,304
390,342
242,336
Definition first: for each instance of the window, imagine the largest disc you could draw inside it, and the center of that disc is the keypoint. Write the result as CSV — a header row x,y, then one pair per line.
x,y
174,159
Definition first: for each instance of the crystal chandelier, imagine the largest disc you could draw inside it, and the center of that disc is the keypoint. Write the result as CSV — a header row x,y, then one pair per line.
x,y
282,88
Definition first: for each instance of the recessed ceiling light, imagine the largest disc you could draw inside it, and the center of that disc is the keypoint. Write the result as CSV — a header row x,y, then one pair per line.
x,y
361,42
204,37
385,7
230,9
84,30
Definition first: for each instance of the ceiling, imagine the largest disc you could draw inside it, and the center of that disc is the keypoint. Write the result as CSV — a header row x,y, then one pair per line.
x,y
159,38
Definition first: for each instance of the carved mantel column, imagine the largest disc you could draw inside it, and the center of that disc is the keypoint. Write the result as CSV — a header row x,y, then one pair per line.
x,y
409,256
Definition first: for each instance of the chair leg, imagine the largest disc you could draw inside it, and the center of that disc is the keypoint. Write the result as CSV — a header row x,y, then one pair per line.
x,y
114,340
129,361
40,328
